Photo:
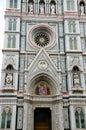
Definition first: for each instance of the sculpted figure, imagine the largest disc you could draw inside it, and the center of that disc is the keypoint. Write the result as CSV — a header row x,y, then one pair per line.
x,y
31,7
41,8
76,79
52,8
9,79
82,9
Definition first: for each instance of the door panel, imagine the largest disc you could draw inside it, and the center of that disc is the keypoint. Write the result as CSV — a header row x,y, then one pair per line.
x,y
42,119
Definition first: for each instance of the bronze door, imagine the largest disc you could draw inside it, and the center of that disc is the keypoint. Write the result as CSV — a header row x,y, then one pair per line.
x,y
42,119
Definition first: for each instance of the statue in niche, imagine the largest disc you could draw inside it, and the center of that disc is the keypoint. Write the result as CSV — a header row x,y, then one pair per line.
x,y
82,8
53,8
42,90
41,8
9,79
31,8
76,79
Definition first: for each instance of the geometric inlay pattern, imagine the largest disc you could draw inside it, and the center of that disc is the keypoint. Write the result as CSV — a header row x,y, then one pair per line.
x,y
41,39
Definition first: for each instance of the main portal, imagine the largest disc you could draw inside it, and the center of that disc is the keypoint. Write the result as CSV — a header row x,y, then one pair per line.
x,y
42,119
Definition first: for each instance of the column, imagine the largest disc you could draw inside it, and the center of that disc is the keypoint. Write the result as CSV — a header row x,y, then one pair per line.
x,y
57,118
72,118
47,7
56,7
0,114
85,114
30,117
13,117
36,8
61,122
25,117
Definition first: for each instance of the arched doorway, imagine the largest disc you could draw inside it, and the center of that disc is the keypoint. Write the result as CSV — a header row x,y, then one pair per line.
x,y
42,119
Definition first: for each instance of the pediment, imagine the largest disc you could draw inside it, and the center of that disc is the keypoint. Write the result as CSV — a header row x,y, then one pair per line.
x,y
42,63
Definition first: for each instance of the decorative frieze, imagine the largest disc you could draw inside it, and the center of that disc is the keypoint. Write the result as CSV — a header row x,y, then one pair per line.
x,y
19,118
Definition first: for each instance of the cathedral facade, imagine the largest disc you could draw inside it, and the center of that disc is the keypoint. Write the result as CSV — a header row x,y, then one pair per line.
x,y
43,82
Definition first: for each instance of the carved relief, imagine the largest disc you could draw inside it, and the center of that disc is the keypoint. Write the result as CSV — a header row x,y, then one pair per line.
x,y
42,64
20,118
10,60
75,62
66,120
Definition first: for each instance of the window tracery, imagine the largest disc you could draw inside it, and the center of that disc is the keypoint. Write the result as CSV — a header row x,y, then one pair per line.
x,y
6,118
79,118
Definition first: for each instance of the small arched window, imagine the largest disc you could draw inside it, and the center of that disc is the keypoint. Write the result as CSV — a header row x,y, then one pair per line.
x,y
6,118
79,117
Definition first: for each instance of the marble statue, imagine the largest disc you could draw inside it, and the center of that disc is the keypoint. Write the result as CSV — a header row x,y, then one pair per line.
x,y
82,9
31,7
52,8
41,8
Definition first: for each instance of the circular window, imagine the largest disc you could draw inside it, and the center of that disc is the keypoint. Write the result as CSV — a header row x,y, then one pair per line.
x,y
41,39
42,36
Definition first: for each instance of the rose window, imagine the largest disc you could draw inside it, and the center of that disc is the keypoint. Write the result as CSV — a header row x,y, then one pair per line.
x,y
41,39
42,36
